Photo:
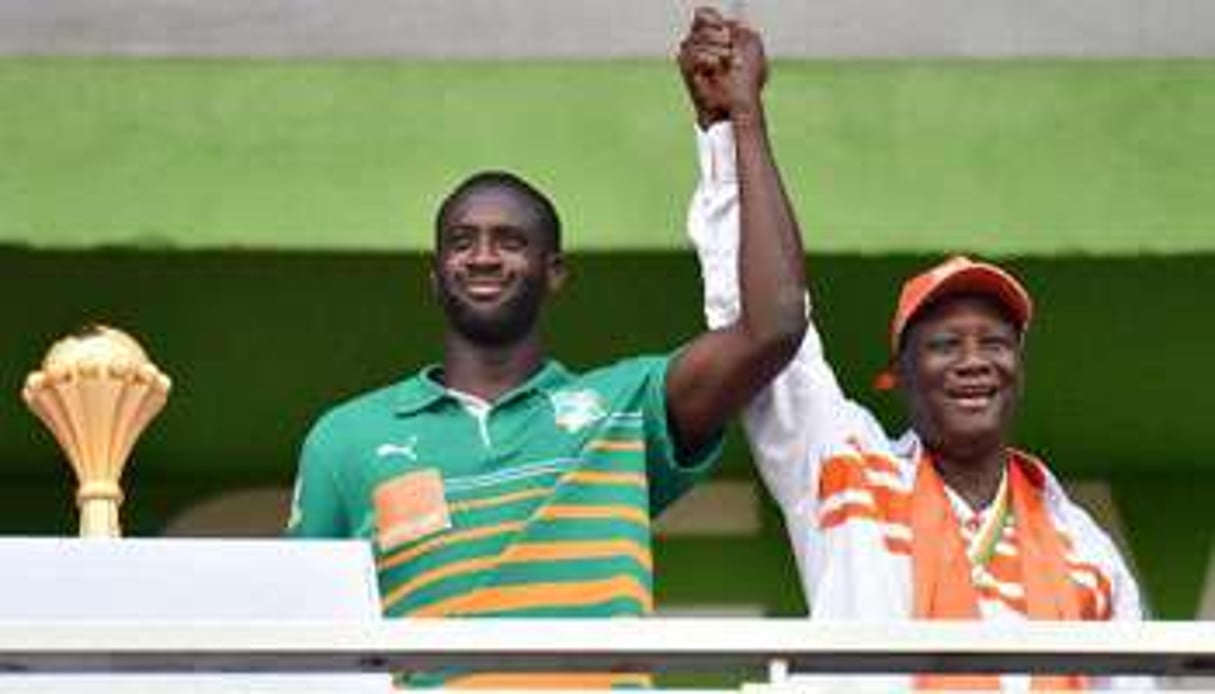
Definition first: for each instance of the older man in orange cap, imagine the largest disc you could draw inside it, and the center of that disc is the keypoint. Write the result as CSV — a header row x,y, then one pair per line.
x,y
948,521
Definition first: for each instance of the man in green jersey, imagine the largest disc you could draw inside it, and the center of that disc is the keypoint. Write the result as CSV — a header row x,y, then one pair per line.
x,y
497,482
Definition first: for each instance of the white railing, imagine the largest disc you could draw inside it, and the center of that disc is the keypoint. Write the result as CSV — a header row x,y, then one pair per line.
x,y
659,645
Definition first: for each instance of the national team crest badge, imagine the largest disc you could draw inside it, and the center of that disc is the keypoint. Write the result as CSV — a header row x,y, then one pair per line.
x,y
575,409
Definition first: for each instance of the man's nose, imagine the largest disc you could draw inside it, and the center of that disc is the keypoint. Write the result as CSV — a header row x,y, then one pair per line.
x,y
973,359
484,252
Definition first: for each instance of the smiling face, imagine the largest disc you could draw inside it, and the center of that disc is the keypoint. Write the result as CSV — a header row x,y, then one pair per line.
x,y
960,370
494,265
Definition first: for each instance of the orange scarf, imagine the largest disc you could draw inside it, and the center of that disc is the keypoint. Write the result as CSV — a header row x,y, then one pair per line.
x,y
941,570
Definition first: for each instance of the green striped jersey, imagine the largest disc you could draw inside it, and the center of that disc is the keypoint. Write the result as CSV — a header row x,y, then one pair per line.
x,y
538,504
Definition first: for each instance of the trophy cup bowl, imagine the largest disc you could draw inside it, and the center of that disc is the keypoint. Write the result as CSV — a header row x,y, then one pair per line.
x,y
96,392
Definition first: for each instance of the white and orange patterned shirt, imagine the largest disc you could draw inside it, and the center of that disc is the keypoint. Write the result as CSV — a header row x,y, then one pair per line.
x,y
844,486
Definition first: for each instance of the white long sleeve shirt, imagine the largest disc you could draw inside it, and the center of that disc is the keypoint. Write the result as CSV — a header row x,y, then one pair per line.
x,y
843,484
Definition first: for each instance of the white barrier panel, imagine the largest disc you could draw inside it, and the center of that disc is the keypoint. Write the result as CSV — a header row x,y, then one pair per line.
x,y
180,579
159,587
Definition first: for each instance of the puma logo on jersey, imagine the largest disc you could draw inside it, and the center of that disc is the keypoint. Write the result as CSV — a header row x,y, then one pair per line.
x,y
403,449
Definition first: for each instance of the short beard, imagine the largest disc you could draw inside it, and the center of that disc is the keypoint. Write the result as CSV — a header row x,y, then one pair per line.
x,y
511,323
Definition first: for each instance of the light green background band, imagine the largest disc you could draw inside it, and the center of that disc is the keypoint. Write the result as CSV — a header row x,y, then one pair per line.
x,y
1008,157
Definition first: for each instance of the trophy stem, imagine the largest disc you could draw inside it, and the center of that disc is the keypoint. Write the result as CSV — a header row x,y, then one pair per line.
x,y
98,502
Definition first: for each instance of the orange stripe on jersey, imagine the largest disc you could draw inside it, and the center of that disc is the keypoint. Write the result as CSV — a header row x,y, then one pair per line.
x,y
1007,569
880,463
560,551
988,592
896,545
1107,592
635,479
1087,597
872,461
887,507
1096,603
839,474
1004,568
839,477
631,514
614,446
843,474
529,595
848,512
428,577
1092,606
501,499
528,681
525,553
893,506
447,539
1084,567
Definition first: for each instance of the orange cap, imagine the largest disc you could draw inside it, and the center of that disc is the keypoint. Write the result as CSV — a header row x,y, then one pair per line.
x,y
956,275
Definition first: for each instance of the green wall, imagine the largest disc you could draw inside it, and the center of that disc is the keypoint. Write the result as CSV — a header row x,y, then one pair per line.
x,y
246,219
259,343
1013,157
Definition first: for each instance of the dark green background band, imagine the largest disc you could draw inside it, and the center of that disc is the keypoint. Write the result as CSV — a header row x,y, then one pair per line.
x,y
259,343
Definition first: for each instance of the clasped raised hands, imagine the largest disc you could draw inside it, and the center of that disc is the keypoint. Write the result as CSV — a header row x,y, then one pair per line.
x,y
724,67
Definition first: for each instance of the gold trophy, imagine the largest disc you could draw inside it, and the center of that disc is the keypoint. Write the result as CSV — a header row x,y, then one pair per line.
x,y
96,392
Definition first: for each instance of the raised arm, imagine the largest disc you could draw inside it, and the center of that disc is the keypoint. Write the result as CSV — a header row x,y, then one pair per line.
x,y
721,371
803,408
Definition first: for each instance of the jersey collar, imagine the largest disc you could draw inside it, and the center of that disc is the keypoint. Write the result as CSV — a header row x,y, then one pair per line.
x,y
424,389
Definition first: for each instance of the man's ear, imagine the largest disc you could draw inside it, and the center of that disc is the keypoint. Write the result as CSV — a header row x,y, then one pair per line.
x,y
1022,371
556,272
904,373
